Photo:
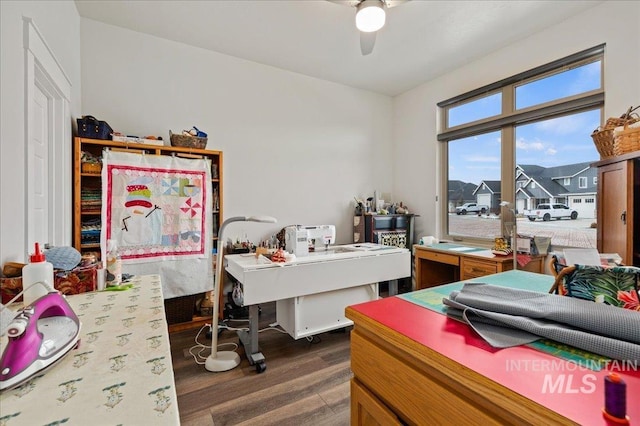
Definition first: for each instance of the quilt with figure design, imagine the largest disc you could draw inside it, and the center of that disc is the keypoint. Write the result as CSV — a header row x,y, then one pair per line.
x,y
158,209
156,206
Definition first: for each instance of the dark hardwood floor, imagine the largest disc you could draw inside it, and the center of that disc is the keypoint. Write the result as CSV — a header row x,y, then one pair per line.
x,y
304,383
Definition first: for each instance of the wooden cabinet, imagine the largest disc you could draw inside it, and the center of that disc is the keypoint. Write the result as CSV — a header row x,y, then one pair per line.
x,y
619,207
87,186
389,229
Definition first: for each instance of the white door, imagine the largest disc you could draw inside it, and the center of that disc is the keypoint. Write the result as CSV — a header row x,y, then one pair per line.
x,y
484,199
38,167
585,210
47,195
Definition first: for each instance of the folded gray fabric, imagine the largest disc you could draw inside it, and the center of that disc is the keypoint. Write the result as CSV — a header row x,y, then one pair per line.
x,y
507,317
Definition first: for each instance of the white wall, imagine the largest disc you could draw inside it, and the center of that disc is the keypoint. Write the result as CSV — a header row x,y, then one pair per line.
x,y
295,147
59,24
615,23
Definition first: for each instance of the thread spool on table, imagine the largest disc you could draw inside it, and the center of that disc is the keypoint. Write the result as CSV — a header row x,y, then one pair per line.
x,y
615,399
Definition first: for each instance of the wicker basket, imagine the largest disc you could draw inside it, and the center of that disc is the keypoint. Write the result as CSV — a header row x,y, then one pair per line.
x,y
603,137
603,140
186,141
180,309
626,140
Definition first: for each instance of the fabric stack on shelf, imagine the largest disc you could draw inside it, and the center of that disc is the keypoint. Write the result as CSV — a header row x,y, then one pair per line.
x,y
90,199
90,232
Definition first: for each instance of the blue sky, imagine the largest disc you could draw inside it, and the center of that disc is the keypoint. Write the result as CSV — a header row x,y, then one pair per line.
x,y
564,140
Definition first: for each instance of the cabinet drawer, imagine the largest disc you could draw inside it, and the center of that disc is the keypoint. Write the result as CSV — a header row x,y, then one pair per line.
x,y
401,222
366,409
439,257
472,268
382,222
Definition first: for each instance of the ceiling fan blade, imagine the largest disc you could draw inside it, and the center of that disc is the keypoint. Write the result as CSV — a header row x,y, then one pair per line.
x,y
351,3
367,40
394,3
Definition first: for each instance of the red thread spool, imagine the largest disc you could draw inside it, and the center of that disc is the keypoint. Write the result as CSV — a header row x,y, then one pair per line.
x,y
615,399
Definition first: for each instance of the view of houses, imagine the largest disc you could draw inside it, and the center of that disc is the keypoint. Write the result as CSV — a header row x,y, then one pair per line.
x,y
573,184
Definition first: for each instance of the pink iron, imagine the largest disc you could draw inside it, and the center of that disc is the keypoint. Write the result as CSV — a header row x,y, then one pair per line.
x,y
39,336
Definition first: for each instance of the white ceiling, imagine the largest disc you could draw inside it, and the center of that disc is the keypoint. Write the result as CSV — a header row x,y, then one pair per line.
x,y
421,40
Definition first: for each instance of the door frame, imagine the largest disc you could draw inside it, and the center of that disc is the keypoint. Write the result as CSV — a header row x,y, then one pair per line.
x,y
42,70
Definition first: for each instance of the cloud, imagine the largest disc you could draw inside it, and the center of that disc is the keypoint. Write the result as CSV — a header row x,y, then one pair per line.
x,y
524,145
551,151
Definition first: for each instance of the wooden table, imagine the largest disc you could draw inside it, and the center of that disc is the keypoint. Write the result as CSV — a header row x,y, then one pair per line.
x,y
413,365
120,373
444,263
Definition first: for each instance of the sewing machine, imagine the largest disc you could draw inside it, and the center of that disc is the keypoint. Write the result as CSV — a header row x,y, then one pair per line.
x,y
301,239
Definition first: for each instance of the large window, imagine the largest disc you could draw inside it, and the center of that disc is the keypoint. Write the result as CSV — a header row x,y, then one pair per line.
x,y
524,141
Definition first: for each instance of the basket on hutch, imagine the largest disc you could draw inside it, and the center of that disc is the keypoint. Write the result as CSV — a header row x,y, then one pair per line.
x,y
604,137
626,139
187,141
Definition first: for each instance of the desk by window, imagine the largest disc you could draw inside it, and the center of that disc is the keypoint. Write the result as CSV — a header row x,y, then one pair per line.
x,y
445,263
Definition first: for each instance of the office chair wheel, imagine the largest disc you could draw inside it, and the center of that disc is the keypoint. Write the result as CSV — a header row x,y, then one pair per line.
x,y
260,367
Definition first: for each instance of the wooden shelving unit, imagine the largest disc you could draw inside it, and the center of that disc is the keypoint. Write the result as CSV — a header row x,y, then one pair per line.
x,y
87,190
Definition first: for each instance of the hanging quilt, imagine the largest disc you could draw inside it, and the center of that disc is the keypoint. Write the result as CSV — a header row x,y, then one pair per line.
x,y
158,209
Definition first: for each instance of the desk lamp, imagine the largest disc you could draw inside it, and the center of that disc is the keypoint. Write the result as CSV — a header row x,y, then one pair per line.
x,y
225,360
512,231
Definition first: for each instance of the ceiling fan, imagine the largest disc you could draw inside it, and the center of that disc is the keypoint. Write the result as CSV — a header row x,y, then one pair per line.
x,y
370,17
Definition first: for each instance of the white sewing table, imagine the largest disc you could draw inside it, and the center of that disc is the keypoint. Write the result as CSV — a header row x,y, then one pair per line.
x,y
120,373
312,292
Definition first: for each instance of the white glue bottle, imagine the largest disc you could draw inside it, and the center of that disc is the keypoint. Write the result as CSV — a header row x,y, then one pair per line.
x,y
114,265
37,270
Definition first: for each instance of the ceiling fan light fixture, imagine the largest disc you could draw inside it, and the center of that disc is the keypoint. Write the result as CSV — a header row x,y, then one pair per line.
x,y
370,16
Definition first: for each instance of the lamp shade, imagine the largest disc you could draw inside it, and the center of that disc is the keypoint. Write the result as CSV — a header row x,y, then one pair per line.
x,y
370,16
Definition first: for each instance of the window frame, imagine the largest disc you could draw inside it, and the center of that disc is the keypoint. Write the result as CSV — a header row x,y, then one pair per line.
x,y
582,182
506,123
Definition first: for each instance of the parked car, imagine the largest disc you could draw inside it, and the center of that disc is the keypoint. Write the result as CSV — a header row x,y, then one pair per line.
x,y
548,211
471,208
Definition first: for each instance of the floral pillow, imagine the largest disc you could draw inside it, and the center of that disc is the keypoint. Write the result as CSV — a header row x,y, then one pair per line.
x,y
616,286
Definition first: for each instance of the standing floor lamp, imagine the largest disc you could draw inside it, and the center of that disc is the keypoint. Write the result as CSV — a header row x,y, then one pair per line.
x,y
225,360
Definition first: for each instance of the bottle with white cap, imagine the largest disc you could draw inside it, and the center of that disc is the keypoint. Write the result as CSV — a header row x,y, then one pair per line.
x,y
38,270
114,265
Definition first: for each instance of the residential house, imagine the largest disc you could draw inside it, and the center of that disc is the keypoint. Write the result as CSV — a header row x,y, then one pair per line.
x,y
573,184
488,193
460,193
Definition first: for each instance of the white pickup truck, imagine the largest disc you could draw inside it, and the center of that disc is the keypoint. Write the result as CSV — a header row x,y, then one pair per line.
x,y
548,211
472,208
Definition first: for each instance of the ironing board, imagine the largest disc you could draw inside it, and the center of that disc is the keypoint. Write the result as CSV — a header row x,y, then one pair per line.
x,y
121,370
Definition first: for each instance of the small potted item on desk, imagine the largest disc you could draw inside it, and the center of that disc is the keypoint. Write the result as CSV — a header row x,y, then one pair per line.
x,y
501,247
